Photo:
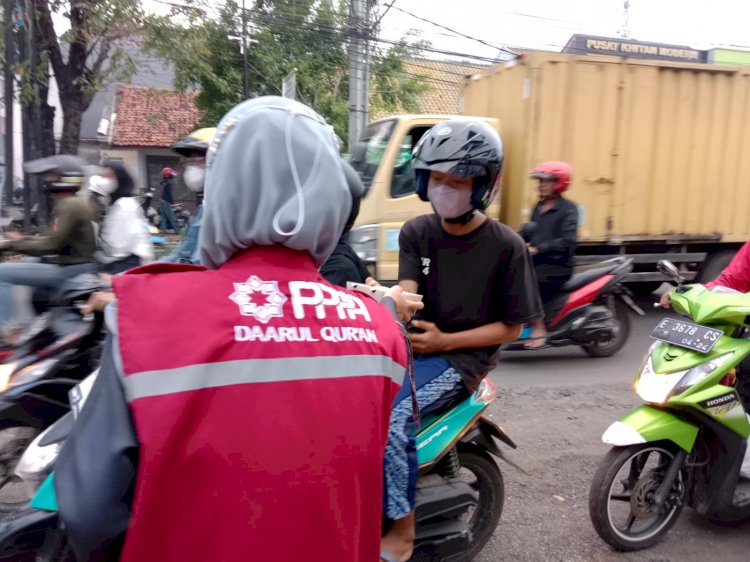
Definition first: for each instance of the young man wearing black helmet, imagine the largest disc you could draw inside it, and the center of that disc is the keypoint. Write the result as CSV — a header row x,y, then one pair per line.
x,y
69,249
475,275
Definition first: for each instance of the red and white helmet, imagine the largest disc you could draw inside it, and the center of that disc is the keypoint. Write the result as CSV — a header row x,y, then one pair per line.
x,y
168,173
558,171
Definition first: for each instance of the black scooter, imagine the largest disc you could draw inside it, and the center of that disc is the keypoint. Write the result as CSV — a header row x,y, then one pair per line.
x,y
54,353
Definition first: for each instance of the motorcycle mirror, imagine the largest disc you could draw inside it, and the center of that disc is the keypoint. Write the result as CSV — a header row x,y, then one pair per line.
x,y
670,270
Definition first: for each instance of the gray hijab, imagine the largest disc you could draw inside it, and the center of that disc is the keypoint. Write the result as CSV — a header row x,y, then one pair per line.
x,y
273,176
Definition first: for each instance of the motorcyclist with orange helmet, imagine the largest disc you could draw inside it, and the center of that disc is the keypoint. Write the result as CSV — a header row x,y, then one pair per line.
x,y
552,242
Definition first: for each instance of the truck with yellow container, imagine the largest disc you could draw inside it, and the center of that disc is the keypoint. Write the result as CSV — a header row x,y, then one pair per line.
x,y
658,151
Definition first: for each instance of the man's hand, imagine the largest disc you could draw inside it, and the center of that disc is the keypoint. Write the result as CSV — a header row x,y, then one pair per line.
x,y
664,300
432,340
13,235
372,282
405,308
532,249
96,303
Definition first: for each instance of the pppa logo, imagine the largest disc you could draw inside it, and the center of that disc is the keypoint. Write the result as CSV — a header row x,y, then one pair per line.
x,y
260,299
321,297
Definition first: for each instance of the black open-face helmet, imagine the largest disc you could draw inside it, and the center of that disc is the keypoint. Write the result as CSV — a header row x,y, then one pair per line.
x,y
67,166
463,147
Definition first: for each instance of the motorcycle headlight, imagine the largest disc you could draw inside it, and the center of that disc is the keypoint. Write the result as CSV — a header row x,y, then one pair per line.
x,y
699,373
29,374
6,371
653,387
658,388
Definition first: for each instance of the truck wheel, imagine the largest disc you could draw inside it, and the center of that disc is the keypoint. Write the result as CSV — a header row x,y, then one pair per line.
x,y
714,265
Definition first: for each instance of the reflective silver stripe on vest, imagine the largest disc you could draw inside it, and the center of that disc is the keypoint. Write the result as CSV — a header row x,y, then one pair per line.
x,y
247,371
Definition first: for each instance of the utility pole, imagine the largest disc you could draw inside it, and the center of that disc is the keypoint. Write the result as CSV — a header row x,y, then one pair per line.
x,y
27,132
365,115
357,72
624,31
8,99
245,87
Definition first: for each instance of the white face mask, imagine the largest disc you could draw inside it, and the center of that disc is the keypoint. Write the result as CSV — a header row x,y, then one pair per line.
x,y
106,186
448,202
194,177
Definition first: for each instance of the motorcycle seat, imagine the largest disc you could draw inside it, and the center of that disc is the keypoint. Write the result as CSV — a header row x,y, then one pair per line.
x,y
586,277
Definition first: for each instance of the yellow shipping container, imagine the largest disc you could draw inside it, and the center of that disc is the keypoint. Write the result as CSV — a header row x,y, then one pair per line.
x,y
657,148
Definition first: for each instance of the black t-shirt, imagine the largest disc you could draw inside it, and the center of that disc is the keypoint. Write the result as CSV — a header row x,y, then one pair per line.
x,y
344,265
469,281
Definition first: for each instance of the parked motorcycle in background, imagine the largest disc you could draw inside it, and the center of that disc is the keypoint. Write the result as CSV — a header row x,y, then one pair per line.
x,y
688,444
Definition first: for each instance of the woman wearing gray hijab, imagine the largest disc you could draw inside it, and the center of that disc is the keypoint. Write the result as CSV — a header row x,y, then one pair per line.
x,y
248,415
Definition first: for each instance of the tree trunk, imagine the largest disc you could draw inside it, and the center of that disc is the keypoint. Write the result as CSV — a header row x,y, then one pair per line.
x,y
72,107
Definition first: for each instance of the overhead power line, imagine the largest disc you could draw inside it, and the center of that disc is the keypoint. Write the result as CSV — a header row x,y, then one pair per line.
x,y
458,33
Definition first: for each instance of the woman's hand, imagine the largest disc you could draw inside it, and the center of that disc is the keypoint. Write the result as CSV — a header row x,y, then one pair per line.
x,y
405,308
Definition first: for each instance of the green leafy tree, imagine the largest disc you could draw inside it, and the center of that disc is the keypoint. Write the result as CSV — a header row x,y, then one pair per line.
x,y
88,55
310,36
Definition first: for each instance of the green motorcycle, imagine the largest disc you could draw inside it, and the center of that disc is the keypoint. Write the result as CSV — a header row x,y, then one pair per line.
x,y
686,445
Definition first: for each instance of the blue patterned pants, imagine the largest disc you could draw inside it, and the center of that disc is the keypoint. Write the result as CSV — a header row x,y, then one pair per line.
x,y
401,468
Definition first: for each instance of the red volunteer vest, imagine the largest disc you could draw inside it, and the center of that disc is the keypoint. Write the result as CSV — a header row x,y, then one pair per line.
x,y
260,395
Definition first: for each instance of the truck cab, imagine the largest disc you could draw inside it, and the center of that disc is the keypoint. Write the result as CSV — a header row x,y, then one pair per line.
x,y
382,157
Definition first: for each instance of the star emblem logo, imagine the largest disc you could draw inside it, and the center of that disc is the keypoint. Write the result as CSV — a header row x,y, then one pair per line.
x,y
260,299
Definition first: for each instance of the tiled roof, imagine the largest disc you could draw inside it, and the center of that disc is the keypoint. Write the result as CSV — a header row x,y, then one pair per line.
x,y
152,117
444,80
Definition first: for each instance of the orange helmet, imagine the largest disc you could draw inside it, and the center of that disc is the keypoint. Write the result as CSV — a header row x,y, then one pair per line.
x,y
558,171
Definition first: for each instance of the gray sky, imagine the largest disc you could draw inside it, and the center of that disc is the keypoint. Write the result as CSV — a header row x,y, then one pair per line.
x,y
547,24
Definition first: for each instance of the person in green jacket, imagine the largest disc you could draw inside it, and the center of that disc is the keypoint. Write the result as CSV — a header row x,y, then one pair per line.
x,y
68,250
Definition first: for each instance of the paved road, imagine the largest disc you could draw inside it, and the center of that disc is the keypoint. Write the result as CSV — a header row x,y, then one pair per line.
x,y
555,404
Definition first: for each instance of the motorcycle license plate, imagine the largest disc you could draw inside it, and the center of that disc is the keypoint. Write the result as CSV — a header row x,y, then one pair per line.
x,y
686,334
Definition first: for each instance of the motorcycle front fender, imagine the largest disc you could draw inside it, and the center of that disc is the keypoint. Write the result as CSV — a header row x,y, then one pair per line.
x,y
646,424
